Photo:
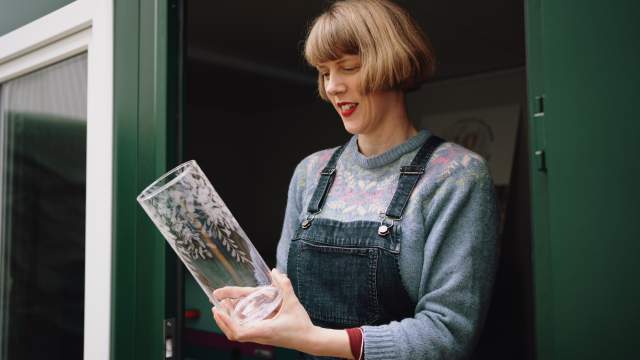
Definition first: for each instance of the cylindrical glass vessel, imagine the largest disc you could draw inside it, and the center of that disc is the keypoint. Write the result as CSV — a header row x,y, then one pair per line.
x,y
197,224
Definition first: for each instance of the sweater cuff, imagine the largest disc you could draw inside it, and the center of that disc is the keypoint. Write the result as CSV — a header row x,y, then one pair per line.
x,y
356,342
378,343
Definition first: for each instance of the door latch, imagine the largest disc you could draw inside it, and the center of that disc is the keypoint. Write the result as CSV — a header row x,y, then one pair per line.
x,y
539,103
169,337
541,162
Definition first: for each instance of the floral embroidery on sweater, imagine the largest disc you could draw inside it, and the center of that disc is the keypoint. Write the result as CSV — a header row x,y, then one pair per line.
x,y
360,193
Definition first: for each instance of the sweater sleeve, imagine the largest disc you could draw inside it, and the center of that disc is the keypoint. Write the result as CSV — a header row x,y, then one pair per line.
x,y
291,216
457,274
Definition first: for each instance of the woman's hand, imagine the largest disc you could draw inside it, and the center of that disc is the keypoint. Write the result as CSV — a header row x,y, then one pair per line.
x,y
291,326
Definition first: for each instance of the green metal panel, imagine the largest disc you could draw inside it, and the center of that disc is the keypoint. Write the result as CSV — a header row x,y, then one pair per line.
x,y
539,204
173,267
16,13
140,155
125,178
587,293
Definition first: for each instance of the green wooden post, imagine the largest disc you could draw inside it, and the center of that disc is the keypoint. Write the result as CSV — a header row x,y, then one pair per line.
x,y
587,204
140,155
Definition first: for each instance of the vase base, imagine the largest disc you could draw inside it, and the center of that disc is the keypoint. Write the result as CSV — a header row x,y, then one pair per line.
x,y
258,305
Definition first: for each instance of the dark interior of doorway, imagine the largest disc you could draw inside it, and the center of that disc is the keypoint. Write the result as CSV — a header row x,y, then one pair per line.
x,y
251,113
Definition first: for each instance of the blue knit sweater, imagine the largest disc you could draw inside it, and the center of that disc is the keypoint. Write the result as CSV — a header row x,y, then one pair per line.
x,y
448,257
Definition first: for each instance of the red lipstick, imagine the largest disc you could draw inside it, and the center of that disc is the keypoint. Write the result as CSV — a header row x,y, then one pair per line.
x,y
347,108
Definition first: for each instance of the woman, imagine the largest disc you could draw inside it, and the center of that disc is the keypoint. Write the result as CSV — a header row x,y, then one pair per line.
x,y
389,241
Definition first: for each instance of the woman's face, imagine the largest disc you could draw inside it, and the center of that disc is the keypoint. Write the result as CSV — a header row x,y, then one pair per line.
x,y
361,114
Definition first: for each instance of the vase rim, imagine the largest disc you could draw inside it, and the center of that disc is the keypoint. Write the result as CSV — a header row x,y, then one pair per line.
x,y
147,194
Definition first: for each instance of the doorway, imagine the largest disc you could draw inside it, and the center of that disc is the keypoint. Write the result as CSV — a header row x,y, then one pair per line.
x,y
251,113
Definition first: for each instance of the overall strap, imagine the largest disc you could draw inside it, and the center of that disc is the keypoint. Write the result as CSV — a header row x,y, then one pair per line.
x,y
409,176
324,183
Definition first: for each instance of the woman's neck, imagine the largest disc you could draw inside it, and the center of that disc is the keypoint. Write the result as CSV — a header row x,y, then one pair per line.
x,y
375,144
394,130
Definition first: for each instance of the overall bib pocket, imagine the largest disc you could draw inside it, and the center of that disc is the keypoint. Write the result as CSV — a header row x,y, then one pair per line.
x,y
346,291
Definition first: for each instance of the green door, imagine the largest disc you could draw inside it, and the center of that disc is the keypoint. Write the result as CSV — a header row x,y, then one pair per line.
x,y
584,84
143,284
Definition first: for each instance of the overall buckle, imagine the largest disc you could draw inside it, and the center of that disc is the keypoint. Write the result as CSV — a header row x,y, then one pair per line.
x,y
385,228
306,223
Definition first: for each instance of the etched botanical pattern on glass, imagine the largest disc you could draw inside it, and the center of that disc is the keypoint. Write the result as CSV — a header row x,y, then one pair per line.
x,y
199,227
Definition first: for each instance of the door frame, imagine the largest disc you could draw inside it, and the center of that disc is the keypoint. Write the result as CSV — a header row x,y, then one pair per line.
x,y
541,242
144,130
81,26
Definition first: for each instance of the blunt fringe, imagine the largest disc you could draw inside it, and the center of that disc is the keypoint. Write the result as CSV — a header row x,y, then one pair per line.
x,y
394,51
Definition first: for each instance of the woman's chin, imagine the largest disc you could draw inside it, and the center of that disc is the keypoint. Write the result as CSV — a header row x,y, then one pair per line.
x,y
351,127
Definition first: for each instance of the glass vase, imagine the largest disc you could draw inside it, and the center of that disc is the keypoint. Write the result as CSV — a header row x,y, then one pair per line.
x,y
199,227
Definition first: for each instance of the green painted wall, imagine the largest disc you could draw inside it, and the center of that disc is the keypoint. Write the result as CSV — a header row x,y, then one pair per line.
x,y
584,59
16,13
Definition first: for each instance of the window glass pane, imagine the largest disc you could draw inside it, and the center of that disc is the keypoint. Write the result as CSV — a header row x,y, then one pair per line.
x,y
42,212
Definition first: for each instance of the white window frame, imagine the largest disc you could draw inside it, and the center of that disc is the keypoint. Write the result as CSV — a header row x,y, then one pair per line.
x,y
81,26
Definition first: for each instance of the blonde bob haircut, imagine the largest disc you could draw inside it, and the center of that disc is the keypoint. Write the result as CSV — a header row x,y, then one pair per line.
x,y
395,53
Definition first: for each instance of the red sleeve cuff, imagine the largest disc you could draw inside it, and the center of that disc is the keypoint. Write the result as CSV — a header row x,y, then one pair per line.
x,y
356,342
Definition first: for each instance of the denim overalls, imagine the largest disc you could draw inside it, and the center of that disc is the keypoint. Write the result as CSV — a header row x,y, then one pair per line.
x,y
346,273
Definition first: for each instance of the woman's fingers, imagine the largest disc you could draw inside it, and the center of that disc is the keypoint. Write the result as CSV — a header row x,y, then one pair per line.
x,y
281,281
227,305
232,292
228,326
260,331
235,332
221,319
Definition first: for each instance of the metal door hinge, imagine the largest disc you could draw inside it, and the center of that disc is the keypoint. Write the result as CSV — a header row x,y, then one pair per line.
x,y
169,337
541,161
539,103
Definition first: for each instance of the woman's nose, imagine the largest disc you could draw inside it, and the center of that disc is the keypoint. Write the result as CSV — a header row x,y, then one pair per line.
x,y
334,85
